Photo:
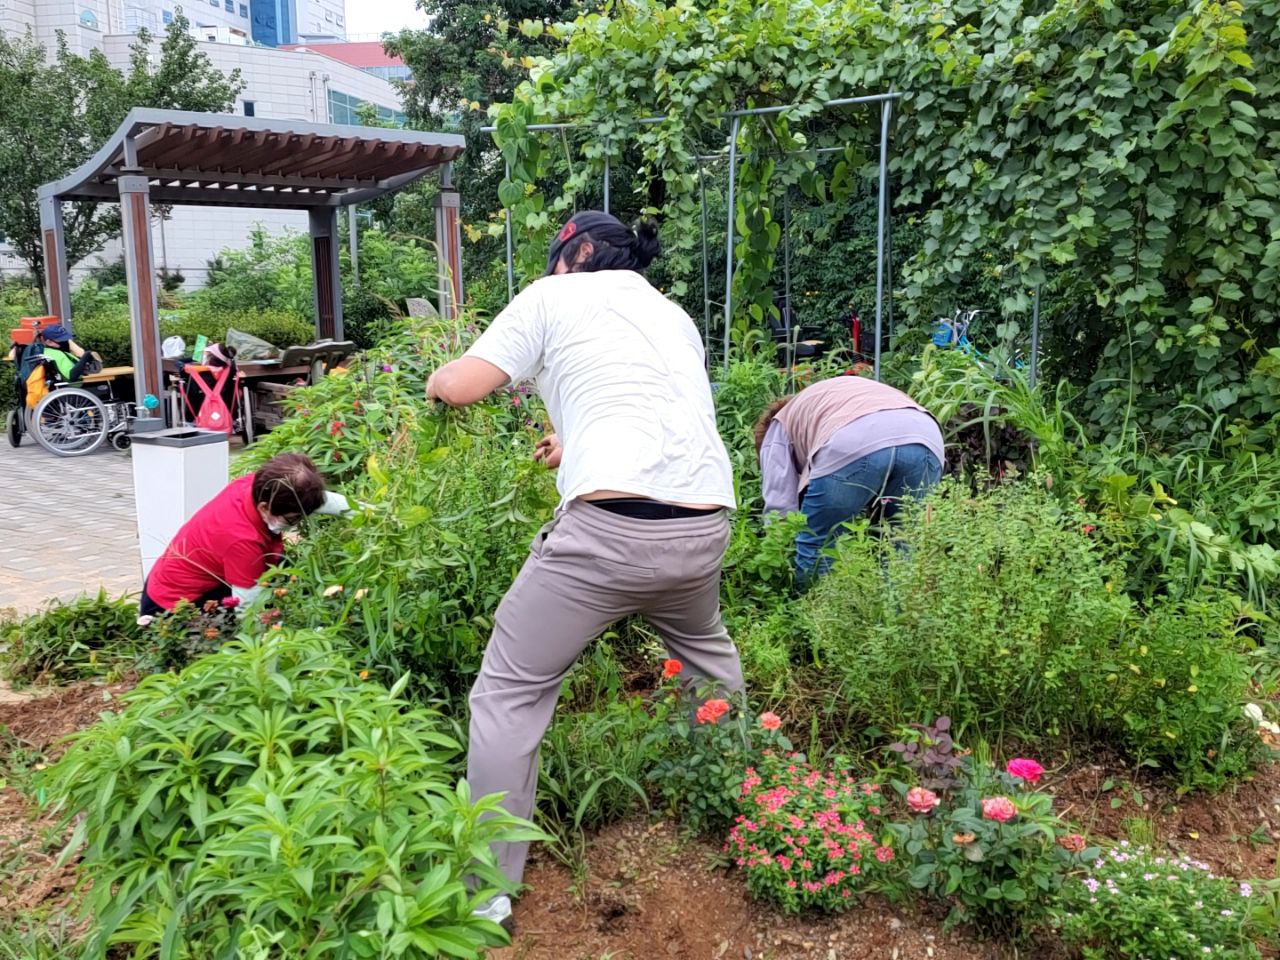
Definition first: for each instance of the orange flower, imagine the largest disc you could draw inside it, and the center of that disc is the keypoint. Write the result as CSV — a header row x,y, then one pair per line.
x,y
670,668
712,711
770,720
962,839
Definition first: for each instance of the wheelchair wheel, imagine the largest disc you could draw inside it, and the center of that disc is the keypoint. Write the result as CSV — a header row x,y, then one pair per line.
x,y
13,426
121,441
70,422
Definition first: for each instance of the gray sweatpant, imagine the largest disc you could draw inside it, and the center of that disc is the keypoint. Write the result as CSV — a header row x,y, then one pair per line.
x,y
587,569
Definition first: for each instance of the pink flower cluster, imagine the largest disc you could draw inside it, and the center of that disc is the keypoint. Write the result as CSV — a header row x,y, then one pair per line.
x,y
803,833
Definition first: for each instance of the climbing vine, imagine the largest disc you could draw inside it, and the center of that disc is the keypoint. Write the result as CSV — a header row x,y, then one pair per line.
x,y
1127,152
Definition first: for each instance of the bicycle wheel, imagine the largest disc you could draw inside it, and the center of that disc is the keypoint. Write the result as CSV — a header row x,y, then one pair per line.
x,y
70,422
13,427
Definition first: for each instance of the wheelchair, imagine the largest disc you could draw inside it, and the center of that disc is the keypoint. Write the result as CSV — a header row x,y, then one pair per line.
x,y
71,419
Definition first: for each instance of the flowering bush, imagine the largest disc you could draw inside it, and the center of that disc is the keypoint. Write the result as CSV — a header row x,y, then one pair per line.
x,y
701,777
983,842
1133,902
807,838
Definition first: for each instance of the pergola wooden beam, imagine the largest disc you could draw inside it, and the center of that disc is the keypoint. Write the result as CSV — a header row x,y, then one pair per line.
x,y
215,160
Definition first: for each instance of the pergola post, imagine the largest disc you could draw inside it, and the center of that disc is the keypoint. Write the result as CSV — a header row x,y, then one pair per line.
x,y
144,316
324,267
57,286
449,241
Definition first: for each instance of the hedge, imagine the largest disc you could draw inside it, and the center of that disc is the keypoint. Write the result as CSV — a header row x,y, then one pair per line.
x,y
107,332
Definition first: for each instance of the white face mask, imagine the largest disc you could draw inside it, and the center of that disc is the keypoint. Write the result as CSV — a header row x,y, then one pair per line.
x,y
278,527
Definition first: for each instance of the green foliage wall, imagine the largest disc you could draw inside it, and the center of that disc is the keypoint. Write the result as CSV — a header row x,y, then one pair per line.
x,y
1122,154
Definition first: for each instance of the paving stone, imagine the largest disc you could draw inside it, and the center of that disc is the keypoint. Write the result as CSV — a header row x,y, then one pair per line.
x,y
99,548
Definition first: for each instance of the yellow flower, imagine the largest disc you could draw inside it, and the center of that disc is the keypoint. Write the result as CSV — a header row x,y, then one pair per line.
x,y
1192,689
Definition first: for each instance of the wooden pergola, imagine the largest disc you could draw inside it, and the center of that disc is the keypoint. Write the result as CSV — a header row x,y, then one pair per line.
x,y
220,160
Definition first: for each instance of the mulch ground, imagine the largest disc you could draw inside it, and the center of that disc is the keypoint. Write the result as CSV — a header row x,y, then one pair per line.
x,y
30,841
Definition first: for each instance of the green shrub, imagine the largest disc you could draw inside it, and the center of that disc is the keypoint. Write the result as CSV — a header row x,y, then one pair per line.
x,y
1172,687
73,640
1135,902
107,331
712,744
266,802
454,499
981,608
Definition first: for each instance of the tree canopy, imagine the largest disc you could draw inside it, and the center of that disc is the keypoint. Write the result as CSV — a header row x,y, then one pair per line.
x,y
55,113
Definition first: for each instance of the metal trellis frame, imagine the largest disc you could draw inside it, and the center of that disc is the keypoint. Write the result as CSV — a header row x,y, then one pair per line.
x,y
735,117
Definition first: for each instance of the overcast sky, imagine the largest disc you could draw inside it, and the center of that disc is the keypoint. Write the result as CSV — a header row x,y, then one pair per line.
x,y
368,18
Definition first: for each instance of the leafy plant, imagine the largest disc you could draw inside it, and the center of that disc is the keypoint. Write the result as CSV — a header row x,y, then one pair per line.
x,y
711,747
982,608
74,640
1173,685
307,813
806,838
1136,902
987,845
930,754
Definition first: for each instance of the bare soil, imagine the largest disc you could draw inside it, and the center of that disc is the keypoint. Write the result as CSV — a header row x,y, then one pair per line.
x,y
648,894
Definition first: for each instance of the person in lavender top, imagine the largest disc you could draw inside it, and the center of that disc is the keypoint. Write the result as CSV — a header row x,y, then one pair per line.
x,y
839,449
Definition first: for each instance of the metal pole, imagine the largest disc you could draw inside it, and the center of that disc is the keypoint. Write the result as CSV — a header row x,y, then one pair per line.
x,y
354,241
511,269
792,336
706,270
606,183
1035,340
728,242
885,108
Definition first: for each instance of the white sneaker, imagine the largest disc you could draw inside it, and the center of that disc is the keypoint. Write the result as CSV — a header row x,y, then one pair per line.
x,y
497,910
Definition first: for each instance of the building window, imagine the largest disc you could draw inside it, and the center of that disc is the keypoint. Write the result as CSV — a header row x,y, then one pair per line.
x,y
250,108
244,11
166,16
88,19
328,15
230,6
344,108
213,3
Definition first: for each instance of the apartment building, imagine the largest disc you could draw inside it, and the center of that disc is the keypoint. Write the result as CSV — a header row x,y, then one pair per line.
x,y
302,83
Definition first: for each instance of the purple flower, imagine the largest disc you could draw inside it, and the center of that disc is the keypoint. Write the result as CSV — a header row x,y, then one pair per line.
x,y
1226,913
1148,877
1246,890
386,368
1092,884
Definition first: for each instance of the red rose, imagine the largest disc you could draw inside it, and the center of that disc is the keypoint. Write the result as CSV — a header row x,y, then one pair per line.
x,y
670,668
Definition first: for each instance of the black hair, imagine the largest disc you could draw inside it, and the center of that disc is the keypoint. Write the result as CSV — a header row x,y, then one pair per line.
x,y
614,247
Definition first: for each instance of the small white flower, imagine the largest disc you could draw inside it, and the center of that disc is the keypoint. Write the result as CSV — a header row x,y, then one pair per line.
x,y
334,590
1254,713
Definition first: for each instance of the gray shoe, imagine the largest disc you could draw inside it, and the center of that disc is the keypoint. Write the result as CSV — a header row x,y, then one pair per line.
x,y
497,910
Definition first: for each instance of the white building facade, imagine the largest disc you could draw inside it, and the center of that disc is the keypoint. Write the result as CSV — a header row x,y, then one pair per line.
x,y
284,84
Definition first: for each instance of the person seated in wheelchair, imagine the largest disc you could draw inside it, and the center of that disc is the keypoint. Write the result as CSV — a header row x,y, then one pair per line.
x,y
72,361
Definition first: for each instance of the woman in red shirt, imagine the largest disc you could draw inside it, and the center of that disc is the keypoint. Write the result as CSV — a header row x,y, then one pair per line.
x,y
225,548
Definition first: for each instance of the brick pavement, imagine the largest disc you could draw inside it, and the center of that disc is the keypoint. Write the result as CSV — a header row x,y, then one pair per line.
x,y
68,526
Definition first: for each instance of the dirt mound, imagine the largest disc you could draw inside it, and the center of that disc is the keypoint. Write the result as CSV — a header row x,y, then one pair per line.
x,y
648,894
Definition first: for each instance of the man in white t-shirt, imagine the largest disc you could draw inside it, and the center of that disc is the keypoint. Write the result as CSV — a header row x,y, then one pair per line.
x,y
644,481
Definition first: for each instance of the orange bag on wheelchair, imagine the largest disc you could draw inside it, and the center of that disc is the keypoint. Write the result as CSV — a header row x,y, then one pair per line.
x,y
37,385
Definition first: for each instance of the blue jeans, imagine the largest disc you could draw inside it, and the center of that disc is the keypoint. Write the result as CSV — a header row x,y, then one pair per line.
x,y
882,478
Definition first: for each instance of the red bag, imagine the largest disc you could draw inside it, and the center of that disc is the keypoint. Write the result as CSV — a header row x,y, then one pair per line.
x,y
213,414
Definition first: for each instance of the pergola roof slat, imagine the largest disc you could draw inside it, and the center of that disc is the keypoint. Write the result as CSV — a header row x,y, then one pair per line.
x,y
220,159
